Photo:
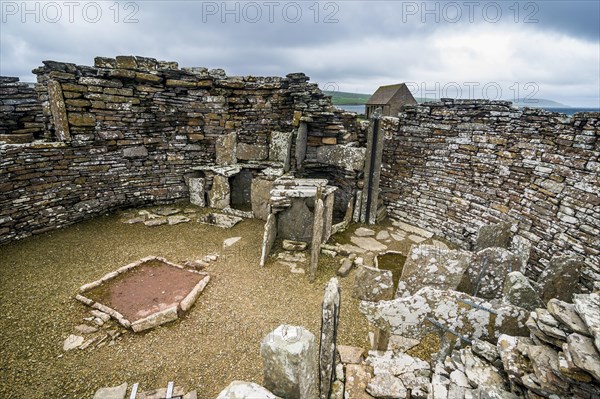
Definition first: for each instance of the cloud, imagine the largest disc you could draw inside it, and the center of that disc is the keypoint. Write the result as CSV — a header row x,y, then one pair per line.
x,y
358,45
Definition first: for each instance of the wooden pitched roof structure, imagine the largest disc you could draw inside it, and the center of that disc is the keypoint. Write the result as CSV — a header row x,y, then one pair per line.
x,y
390,99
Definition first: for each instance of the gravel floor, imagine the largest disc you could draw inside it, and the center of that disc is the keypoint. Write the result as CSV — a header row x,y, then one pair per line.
x,y
216,342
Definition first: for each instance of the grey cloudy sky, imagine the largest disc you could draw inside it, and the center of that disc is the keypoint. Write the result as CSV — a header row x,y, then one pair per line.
x,y
467,49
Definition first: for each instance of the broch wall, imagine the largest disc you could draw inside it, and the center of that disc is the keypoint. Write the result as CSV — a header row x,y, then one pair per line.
x,y
456,165
20,112
127,132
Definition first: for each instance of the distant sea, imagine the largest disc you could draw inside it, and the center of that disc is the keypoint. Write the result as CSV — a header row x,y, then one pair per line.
x,y
360,109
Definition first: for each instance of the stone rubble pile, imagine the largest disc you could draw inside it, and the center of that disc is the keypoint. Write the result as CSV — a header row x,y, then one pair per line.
x,y
98,330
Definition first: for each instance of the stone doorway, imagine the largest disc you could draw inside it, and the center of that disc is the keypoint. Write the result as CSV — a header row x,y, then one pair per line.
x,y
241,190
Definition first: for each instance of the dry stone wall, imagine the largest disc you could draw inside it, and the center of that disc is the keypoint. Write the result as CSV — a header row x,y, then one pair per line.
x,y
456,165
21,118
128,131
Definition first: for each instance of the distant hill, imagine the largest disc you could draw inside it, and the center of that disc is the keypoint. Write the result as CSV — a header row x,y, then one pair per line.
x,y
538,103
345,98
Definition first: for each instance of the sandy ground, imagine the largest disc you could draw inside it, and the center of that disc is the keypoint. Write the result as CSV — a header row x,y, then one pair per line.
x,y
216,342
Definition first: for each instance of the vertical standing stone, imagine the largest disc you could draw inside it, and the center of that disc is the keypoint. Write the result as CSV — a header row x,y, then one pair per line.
x,y
226,149
381,340
522,248
220,192
281,147
357,207
316,239
289,356
196,187
328,216
260,193
59,111
370,194
329,326
268,238
301,141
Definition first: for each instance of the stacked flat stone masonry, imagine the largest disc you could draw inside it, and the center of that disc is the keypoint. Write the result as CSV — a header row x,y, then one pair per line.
x,y
20,112
127,132
456,165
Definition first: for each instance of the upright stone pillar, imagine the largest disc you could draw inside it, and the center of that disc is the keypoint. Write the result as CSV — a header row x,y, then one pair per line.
x,y
329,327
290,362
269,236
196,188
370,193
317,238
301,141
58,111
220,196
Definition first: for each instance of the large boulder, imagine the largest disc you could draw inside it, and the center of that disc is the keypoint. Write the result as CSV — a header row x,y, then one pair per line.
x,y
560,279
289,356
430,311
432,266
485,275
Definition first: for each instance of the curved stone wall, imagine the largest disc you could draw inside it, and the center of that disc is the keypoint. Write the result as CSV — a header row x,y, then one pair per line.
x,y
128,130
454,166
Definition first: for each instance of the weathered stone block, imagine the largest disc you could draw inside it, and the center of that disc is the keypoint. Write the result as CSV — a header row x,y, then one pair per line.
x,y
371,284
289,356
245,390
467,315
117,392
280,148
196,186
430,265
219,196
225,148
559,280
104,62
317,233
260,194
349,158
495,235
486,274
84,119
252,152
58,111
296,222
135,152
518,291
126,62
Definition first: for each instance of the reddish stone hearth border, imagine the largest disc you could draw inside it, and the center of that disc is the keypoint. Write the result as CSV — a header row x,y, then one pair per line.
x,y
172,307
